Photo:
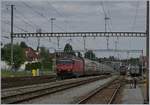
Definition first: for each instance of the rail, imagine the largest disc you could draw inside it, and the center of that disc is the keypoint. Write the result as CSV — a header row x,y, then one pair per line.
x,y
99,90
18,95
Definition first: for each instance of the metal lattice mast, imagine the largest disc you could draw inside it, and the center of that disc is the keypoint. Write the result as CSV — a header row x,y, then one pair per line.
x,y
147,52
11,34
107,38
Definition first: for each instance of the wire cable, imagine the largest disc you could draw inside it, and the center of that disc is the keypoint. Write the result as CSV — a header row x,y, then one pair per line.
x,y
40,14
61,14
25,18
24,21
15,26
135,16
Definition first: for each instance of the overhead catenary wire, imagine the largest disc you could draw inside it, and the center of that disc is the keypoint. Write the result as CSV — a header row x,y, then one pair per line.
x,y
60,14
15,26
110,20
40,14
135,16
34,10
134,22
25,18
43,16
75,43
24,21
106,18
116,42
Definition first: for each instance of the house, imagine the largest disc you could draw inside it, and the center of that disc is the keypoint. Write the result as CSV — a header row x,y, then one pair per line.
x,y
31,54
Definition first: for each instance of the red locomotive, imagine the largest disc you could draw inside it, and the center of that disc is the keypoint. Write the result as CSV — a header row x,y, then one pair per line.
x,y
75,67
69,67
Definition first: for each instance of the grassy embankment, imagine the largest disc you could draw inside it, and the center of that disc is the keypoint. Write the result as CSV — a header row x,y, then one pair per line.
x,y
5,73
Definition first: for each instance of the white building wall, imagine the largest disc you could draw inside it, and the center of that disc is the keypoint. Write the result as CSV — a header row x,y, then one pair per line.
x,y
4,66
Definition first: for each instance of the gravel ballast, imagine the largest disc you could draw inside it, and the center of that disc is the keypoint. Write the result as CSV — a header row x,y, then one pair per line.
x,y
69,96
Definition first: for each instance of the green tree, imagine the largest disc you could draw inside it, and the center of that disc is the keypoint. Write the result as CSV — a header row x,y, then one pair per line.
x,y
134,61
44,53
90,55
23,45
18,54
46,61
31,66
69,50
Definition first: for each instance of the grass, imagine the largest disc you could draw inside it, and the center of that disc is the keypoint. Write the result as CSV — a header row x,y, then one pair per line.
x,y
48,72
5,73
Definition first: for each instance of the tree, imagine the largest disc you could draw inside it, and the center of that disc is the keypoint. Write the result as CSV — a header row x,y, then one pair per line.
x,y
44,53
31,66
18,54
23,45
90,55
45,58
111,58
79,54
69,50
134,61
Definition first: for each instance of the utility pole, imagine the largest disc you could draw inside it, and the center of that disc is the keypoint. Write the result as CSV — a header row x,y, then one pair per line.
x,y
115,45
11,34
52,19
58,42
128,63
142,65
38,46
147,52
118,46
115,48
38,39
107,38
84,44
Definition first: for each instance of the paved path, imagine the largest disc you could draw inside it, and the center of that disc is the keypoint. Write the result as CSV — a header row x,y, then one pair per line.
x,y
132,95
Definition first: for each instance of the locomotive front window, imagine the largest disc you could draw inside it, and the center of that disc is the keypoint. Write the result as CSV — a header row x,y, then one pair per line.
x,y
63,61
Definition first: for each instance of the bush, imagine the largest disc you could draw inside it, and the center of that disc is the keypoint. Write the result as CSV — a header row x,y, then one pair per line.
x,y
31,66
47,65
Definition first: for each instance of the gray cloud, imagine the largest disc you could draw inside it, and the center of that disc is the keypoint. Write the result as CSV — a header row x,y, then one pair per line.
x,y
83,15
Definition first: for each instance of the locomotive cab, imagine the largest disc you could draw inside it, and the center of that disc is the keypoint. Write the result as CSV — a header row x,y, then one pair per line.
x,y
69,67
64,67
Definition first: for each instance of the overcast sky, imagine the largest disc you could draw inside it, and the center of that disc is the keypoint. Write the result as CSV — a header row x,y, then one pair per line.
x,y
77,16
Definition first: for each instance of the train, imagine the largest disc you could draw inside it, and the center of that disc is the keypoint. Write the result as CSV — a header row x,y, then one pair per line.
x,y
68,67
135,70
123,70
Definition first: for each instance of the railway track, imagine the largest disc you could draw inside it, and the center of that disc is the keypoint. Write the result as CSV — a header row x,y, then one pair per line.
x,y
9,82
102,95
18,95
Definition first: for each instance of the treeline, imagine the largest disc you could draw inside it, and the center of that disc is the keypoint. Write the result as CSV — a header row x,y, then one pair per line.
x,y
46,61
19,57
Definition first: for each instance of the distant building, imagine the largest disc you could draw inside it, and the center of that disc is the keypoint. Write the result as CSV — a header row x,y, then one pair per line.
x,y
31,54
115,64
4,65
143,59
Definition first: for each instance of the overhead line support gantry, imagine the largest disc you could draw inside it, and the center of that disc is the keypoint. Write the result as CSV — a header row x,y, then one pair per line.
x,y
80,34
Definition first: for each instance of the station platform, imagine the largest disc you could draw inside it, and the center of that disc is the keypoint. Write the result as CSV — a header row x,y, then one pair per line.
x,y
132,95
